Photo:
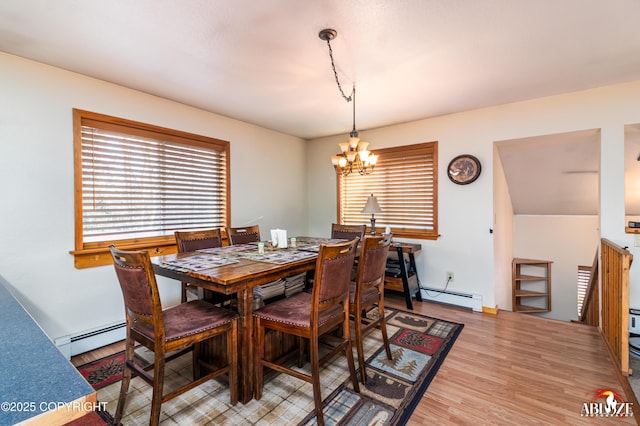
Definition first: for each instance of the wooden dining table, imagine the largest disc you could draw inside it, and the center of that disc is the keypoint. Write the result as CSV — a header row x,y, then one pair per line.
x,y
237,270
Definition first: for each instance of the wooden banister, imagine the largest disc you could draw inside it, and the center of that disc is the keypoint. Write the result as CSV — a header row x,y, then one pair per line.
x,y
614,326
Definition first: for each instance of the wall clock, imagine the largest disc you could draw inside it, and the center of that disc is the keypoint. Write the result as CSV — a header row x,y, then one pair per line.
x,y
464,169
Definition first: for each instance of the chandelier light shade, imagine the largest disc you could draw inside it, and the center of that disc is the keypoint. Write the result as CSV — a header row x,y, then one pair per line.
x,y
354,154
372,207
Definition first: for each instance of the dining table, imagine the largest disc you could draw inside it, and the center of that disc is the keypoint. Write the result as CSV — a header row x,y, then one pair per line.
x,y
238,269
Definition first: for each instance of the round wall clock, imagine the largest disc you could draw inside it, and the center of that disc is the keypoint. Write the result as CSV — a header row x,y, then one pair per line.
x,y
464,169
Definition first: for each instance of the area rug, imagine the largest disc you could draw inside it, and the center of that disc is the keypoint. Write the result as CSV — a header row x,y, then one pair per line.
x,y
94,418
419,345
107,370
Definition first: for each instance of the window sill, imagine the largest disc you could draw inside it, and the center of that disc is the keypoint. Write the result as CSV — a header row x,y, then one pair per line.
x,y
89,258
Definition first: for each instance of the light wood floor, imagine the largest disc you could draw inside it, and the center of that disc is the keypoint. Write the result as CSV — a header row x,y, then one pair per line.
x,y
507,369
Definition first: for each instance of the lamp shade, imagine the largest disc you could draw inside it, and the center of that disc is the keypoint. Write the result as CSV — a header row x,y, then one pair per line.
x,y
372,206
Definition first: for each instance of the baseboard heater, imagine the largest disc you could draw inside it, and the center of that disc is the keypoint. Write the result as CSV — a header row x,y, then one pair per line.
x,y
448,297
91,339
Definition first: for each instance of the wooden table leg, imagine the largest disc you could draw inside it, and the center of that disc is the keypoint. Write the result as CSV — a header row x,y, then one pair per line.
x,y
405,279
412,264
245,343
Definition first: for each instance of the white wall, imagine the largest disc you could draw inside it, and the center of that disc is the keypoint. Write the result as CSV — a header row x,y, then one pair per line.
x,y
502,233
567,241
36,171
466,213
36,175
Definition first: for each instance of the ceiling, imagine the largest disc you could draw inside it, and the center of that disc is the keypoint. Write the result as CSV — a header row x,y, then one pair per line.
x,y
262,62
553,174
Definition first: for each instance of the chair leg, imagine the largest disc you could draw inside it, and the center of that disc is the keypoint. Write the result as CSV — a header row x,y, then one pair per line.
x,y
348,348
360,346
197,372
352,367
258,373
382,325
184,293
126,379
301,351
315,379
158,383
232,359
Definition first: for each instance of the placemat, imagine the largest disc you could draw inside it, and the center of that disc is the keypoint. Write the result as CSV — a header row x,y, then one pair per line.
x,y
198,262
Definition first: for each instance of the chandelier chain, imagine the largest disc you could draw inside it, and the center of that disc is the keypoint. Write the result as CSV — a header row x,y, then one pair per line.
x,y
354,154
335,73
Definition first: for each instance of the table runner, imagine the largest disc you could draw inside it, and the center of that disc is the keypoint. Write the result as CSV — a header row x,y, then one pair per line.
x,y
208,258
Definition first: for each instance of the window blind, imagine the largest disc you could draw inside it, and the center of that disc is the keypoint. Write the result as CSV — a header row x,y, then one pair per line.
x,y
405,184
584,276
139,181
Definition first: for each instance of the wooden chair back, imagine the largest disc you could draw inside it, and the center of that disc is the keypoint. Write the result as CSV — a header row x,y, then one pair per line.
x,y
244,235
372,262
332,279
348,232
139,290
196,240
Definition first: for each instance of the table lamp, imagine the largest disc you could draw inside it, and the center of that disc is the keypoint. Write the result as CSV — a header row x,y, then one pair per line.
x,y
372,207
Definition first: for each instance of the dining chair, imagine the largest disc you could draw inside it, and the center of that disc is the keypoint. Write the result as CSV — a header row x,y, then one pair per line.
x,y
177,329
196,240
367,291
244,235
347,232
322,313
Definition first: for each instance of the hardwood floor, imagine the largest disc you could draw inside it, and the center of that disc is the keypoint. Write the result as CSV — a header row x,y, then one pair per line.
x,y
507,369
512,368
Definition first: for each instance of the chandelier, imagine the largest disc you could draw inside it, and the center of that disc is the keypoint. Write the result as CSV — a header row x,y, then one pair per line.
x,y
354,154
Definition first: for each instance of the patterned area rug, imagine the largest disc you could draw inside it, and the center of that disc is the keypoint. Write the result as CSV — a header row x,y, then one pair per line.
x,y
419,345
94,418
107,370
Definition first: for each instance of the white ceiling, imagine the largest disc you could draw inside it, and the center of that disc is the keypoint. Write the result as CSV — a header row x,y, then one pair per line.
x,y
262,61
553,174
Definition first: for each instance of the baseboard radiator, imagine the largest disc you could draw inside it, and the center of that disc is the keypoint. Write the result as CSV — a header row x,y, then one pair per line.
x,y
448,297
91,339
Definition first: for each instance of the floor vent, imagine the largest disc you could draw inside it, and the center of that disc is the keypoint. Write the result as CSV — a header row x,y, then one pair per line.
x,y
448,297
91,339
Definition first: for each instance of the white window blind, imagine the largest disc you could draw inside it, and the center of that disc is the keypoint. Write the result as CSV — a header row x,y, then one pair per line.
x,y
584,276
405,184
137,181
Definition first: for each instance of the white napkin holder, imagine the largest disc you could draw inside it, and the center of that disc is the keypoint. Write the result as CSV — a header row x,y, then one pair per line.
x,y
279,238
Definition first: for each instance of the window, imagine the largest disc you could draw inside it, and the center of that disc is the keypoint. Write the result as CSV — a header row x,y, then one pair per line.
x,y
136,184
405,182
584,278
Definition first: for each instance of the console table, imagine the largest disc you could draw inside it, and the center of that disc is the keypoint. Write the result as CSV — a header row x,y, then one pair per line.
x,y
406,280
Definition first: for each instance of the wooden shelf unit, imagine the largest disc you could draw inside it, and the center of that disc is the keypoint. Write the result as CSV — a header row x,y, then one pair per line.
x,y
531,285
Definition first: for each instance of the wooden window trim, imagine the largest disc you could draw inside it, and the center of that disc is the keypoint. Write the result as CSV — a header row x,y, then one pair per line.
x,y
90,254
401,232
